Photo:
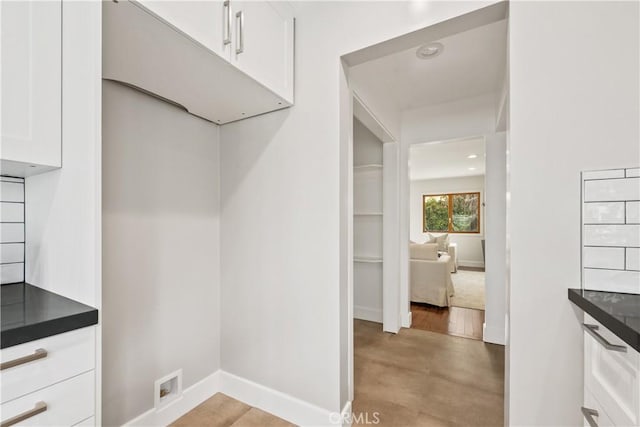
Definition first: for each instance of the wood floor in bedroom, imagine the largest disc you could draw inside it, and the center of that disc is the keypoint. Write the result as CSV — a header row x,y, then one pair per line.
x,y
456,321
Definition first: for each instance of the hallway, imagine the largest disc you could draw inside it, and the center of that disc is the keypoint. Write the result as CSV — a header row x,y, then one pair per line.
x,y
420,378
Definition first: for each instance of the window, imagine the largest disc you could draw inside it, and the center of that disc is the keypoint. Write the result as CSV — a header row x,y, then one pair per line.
x,y
451,213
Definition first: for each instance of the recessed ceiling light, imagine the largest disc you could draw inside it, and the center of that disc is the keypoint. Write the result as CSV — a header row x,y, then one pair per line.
x,y
472,169
430,50
472,156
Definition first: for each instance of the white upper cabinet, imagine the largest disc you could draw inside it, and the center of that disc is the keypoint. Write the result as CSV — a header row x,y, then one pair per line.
x,y
207,22
219,60
31,87
263,43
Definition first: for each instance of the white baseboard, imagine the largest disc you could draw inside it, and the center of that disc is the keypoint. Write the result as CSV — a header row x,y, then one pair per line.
x,y
493,335
406,319
253,394
279,404
366,313
191,397
476,264
345,415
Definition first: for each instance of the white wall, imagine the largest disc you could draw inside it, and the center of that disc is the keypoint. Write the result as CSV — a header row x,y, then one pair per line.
x,y
281,317
457,119
495,223
469,245
161,252
571,110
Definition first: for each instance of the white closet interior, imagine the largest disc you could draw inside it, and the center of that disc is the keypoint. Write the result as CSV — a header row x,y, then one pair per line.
x,y
367,223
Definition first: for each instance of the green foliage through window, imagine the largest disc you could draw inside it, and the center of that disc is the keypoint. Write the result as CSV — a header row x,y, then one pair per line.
x,y
454,213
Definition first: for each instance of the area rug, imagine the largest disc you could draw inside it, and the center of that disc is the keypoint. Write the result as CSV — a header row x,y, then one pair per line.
x,y
469,289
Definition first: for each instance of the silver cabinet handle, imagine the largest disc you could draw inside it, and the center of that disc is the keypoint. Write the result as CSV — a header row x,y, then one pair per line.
x,y
40,353
591,329
39,408
226,22
240,32
588,415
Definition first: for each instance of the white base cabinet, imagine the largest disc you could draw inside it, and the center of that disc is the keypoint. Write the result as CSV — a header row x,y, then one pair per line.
x,y
611,378
31,57
55,385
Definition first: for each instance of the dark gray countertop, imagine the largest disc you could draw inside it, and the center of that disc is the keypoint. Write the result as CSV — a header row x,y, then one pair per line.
x,y
618,312
28,313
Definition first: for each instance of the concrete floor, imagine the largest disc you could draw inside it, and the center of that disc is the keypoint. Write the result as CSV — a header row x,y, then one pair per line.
x,y
420,378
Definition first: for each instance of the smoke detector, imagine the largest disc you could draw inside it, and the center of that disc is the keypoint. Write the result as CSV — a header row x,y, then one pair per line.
x,y
430,50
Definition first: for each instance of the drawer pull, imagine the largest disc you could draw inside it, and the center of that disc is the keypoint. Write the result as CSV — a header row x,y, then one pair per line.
x,y
39,408
40,353
591,329
588,415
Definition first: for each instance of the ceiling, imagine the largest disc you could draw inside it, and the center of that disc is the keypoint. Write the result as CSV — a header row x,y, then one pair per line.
x,y
447,159
472,63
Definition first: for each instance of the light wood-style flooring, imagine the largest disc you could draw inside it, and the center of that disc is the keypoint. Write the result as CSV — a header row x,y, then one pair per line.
x,y
223,411
420,378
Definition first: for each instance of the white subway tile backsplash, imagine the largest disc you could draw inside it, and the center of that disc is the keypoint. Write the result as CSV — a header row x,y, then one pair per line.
x,y
611,230
612,173
633,259
633,172
11,191
612,235
11,273
11,212
603,258
612,280
11,233
604,213
11,253
11,229
633,212
612,190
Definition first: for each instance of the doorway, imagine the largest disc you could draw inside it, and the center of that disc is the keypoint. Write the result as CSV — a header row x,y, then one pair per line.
x,y
436,84
447,194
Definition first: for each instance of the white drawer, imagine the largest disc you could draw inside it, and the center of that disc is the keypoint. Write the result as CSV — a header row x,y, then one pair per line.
x,y
68,354
601,419
612,377
86,423
68,403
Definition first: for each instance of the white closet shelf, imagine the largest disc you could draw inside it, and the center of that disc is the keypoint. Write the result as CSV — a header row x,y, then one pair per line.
x,y
368,259
370,167
367,214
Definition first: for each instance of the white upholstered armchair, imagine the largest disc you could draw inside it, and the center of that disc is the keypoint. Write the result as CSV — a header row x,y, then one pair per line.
x,y
429,276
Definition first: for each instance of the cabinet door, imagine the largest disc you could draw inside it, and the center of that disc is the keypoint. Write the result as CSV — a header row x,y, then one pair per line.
x,y
612,377
31,83
207,22
263,44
